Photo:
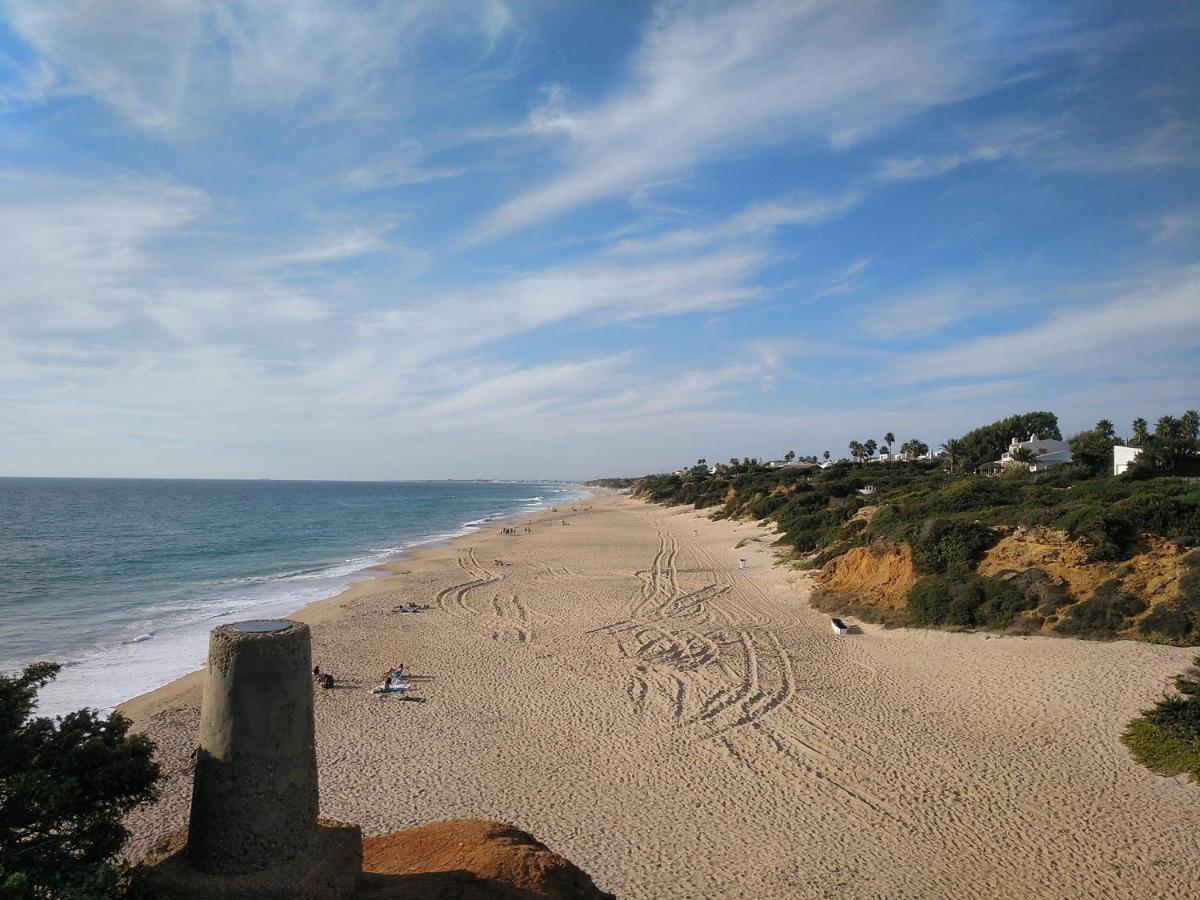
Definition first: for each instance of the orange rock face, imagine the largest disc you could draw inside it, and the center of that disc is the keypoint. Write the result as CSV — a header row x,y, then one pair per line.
x,y
469,859
881,574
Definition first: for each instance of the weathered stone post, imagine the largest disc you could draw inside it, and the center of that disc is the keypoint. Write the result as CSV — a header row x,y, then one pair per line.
x,y
253,830
254,798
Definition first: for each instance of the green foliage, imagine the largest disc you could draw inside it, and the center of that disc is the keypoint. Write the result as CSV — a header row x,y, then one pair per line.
x,y
1103,614
1093,450
1166,739
971,602
64,786
986,443
951,545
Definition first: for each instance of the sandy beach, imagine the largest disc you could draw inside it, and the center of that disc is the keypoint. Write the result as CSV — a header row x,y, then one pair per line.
x,y
682,727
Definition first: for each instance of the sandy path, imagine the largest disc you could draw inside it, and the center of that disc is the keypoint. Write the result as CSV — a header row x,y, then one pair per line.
x,y
680,727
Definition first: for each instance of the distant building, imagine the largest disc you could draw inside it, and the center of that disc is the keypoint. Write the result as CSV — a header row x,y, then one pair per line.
x,y
1123,457
1047,453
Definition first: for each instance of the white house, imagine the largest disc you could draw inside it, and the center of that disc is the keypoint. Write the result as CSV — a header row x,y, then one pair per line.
x,y
1123,456
1047,453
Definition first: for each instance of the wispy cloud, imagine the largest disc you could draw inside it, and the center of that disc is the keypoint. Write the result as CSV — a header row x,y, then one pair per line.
x,y
756,220
1147,322
711,80
169,67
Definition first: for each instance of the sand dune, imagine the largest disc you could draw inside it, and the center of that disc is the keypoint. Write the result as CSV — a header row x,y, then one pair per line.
x,y
680,727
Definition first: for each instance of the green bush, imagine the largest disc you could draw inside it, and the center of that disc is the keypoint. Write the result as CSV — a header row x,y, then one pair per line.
x,y
65,785
1103,614
929,600
1108,534
976,601
951,545
1166,739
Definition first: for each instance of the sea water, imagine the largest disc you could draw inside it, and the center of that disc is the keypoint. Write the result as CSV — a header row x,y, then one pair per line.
x,y
122,579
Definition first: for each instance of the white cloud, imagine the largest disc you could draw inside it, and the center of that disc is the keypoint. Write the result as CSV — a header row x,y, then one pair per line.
x,y
755,220
167,66
1142,326
713,79
595,291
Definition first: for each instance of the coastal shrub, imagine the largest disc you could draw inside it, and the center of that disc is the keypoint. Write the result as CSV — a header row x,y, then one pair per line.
x,y
1171,623
976,601
951,545
930,600
1000,602
1166,739
1041,591
1108,534
1103,614
65,785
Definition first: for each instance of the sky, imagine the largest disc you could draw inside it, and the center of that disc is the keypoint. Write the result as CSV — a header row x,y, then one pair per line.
x,y
480,238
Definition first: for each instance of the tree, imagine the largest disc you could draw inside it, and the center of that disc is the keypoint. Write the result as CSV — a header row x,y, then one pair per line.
x,y
953,449
1093,449
1168,428
856,450
789,456
914,449
826,455
889,439
870,447
1190,422
986,443
1023,455
1141,431
65,785
1105,427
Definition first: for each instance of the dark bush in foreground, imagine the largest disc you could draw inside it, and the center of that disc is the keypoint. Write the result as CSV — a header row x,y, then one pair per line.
x,y
64,786
1166,739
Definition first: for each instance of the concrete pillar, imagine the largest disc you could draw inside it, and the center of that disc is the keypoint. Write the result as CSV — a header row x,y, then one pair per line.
x,y
254,798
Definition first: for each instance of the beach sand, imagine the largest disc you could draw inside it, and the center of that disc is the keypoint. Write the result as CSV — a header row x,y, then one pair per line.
x,y
680,727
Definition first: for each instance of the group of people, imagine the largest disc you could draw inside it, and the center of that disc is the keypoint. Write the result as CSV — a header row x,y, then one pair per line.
x,y
508,529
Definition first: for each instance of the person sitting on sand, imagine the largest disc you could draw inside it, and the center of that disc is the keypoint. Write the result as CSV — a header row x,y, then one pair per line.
x,y
316,673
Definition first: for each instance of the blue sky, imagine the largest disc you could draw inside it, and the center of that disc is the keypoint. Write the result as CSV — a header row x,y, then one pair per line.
x,y
453,239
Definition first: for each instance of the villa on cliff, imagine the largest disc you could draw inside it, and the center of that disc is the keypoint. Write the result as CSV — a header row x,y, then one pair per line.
x,y
1047,453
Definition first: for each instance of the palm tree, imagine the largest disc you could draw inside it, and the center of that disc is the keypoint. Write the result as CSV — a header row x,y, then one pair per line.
x,y
1167,427
789,456
1023,455
1190,421
856,449
826,455
888,440
1105,427
1141,432
870,446
954,451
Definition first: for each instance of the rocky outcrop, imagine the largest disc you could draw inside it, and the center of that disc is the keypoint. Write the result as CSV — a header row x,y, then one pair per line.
x,y
879,575
469,859
1152,575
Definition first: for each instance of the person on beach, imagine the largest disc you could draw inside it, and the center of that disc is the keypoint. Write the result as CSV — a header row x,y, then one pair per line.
x,y
316,673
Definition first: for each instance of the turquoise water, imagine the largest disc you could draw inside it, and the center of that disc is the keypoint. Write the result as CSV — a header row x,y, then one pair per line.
x,y
123,579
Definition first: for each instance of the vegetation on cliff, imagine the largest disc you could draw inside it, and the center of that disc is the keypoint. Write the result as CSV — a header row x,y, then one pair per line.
x,y
64,786
951,521
1166,739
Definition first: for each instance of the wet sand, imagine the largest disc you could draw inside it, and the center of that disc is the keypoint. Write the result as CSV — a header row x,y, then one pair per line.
x,y
681,727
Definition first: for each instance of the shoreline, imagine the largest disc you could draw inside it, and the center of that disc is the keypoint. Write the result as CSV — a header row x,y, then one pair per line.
x,y
624,690
187,687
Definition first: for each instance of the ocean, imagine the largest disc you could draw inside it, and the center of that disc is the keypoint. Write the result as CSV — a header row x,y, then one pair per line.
x,y
122,579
